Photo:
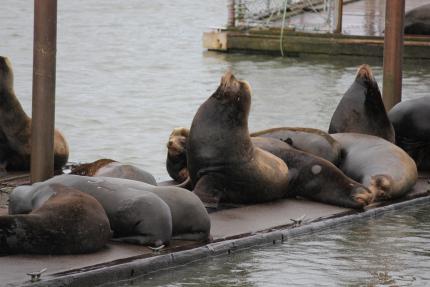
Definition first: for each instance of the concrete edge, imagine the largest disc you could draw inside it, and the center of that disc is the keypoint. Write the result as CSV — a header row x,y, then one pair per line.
x,y
140,267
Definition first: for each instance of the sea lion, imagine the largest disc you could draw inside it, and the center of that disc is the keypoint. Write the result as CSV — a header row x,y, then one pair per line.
x,y
68,222
361,109
411,121
223,164
417,21
309,140
384,168
188,217
110,168
15,128
315,178
176,162
135,214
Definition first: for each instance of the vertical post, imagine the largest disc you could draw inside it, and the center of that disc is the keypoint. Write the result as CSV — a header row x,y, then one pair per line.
x,y
339,14
43,107
393,52
231,19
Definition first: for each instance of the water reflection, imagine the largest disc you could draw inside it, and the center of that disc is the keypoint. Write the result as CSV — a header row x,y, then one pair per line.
x,y
389,251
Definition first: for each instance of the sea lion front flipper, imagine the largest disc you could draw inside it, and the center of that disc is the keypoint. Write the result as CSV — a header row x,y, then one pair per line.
x,y
206,189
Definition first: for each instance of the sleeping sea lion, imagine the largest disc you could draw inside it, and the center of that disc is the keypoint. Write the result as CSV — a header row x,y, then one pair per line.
x,y
417,21
361,109
384,168
68,222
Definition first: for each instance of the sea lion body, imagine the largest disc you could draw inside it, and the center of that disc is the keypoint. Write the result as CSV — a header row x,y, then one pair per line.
x,y
381,166
315,178
411,121
111,168
69,222
136,215
223,163
361,109
309,140
417,21
15,128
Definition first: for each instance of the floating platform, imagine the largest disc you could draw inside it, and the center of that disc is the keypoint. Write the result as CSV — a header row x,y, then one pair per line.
x,y
232,230
362,34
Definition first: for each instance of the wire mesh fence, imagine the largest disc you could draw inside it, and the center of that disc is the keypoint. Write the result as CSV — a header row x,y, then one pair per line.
x,y
300,15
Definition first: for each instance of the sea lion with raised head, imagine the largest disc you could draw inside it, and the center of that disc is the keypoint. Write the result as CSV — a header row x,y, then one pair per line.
x,y
361,109
384,168
68,222
15,128
411,121
110,168
135,214
176,162
223,164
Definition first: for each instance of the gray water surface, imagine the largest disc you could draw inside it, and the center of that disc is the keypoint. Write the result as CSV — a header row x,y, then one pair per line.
x,y
128,72
393,250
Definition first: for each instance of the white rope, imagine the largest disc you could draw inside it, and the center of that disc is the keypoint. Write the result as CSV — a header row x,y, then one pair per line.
x,y
281,40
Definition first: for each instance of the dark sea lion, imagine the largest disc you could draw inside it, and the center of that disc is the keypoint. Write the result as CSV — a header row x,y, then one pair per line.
x,y
68,222
361,109
136,215
315,178
15,128
417,21
111,168
223,164
309,140
381,166
411,121
176,162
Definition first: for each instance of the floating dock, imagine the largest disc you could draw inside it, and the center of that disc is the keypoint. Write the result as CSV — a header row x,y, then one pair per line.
x,y
232,230
310,32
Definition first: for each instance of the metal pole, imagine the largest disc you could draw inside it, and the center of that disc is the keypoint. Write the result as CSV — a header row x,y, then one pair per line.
x,y
43,108
231,19
393,52
339,10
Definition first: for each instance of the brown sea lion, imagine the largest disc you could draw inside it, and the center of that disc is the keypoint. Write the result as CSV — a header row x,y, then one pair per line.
x,y
309,140
68,222
411,121
361,109
381,166
315,178
223,164
111,168
417,21
15,128
176,162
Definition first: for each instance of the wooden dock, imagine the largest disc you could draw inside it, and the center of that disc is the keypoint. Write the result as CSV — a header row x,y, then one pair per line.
x,y
362,34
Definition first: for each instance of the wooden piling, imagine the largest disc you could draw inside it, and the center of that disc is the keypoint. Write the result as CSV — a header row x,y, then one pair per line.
x,y
43,107
339,14
393,52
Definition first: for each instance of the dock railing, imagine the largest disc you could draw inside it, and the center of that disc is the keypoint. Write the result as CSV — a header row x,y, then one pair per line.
x,y
285,14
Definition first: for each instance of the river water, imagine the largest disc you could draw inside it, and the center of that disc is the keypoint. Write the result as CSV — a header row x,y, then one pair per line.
x,y
128,72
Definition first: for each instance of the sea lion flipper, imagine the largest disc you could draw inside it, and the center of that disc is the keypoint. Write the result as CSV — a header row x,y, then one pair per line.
x,y
206,190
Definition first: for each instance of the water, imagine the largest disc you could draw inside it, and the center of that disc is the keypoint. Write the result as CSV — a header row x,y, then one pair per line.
x,y
128,72
393,250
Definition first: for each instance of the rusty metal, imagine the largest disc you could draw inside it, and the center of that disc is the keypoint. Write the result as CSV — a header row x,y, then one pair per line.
x,y
231,17
43,108
339,14
393,52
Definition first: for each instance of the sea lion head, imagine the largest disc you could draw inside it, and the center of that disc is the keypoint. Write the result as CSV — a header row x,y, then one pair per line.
x,y
177,141
365,77
6,74
234,95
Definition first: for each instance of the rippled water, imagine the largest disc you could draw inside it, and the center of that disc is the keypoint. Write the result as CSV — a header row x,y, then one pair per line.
x,y
128,72
393,250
